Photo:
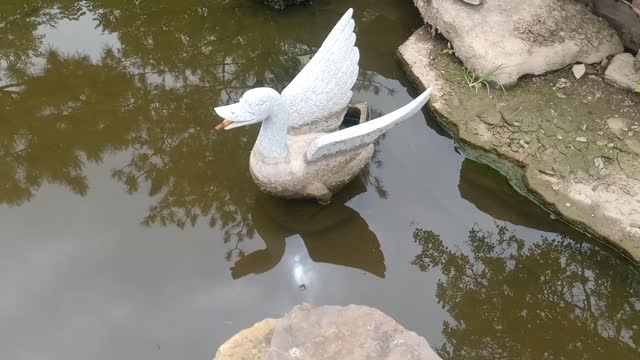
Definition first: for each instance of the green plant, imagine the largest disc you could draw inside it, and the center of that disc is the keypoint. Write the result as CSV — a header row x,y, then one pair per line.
x,y
638,88
449,50
474,82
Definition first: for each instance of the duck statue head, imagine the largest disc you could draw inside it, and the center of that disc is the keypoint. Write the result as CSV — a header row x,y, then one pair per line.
x,y
260,105
254,106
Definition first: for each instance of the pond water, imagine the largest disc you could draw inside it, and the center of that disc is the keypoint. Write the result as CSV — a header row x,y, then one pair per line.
x,y
132,230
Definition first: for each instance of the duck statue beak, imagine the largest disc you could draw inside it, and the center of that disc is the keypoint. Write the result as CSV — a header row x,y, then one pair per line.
x,y
235,115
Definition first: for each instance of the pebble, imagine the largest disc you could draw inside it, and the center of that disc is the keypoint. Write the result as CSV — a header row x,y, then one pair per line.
x,y
581,139
578,70
562,83
599,163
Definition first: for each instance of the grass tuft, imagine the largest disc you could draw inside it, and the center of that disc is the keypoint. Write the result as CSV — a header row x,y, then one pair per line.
x,y
475,82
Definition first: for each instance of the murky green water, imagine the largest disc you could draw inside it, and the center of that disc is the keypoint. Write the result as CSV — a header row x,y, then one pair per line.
x,y
131,230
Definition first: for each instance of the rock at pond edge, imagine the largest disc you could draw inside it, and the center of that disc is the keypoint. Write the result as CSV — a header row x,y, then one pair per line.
x,y
353,332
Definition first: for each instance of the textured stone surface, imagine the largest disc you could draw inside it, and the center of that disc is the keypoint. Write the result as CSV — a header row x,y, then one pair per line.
x,y
527,37
621,17
622,72
351,332
554,142
249,344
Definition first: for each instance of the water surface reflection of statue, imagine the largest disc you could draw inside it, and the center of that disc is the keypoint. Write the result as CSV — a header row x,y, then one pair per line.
x,y
334,234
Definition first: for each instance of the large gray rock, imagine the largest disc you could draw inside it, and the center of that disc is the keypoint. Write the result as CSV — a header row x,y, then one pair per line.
x,y
622,17
526,37
328,332
622,72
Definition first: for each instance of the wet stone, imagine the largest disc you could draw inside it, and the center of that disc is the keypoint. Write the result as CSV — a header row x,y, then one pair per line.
x,y
511,121
529,125
618,125
491,118
562,170
630,164
634,145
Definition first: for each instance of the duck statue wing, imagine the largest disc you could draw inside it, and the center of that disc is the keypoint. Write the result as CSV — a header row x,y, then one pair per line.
x,y
365,133
322,90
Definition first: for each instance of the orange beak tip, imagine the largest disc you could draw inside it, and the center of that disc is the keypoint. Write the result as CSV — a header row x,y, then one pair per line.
x,y
223,125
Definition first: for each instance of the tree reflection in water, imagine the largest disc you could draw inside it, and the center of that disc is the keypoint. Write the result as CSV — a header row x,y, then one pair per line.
x,y
152,98
553,299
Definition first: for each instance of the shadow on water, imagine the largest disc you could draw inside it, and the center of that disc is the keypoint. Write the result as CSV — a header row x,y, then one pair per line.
x,y
554,299
492,194
334,233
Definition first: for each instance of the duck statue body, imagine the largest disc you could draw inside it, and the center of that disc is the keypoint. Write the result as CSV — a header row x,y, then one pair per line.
x,y
300,151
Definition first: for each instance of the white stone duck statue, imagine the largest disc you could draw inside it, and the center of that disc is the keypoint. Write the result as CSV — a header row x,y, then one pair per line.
x,y
300,153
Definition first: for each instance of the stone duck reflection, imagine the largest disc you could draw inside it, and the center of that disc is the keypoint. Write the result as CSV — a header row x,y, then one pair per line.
x,y
334,233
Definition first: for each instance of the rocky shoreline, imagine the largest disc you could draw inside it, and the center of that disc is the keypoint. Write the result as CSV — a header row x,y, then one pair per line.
x,y
568,139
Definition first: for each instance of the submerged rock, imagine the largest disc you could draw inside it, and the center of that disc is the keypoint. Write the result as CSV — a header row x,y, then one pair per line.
x,y
352,332
526,37
622,72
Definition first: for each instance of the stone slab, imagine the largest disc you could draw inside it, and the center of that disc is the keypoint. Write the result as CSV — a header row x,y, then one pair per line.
x,y
554,142
525,37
